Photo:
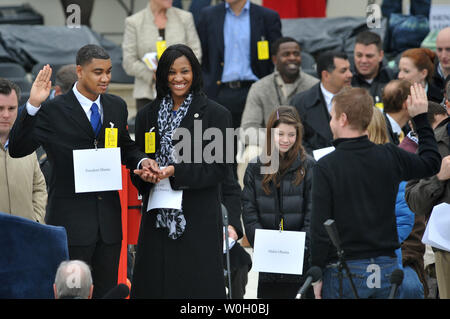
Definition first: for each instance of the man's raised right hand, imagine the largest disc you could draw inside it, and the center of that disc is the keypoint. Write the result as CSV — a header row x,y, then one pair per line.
x,y
41,87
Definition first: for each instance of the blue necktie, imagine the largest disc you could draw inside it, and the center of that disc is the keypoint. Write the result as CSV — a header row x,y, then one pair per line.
x,y
96,121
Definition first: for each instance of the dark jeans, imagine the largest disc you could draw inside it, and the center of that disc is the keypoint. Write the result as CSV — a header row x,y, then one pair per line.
x,y
371,278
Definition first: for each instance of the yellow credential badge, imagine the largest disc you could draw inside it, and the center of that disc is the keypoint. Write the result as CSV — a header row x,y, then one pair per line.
x,y
160,48
150,142
263,50
111,136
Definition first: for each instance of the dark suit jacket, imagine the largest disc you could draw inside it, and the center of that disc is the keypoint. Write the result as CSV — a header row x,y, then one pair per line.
x,y
434,93
264,22
315,118
438,81
393,137
62,126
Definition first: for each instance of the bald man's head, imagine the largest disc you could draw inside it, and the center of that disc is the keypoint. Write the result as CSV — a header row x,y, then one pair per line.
x,y
443,49
395,94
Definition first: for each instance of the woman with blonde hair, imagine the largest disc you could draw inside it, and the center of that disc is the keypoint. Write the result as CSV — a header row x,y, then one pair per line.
x,y
149,31
377,129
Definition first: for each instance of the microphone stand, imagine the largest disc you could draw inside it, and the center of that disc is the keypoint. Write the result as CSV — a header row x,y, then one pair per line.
x,y
330,227
227,247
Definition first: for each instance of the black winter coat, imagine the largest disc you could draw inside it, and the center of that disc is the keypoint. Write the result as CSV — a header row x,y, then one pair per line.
x,y
192,265
260,210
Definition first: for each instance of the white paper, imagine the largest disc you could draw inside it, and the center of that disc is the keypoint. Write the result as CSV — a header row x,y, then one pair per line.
x,y
163,196
97,170
321,152
437,232
279,252
151,61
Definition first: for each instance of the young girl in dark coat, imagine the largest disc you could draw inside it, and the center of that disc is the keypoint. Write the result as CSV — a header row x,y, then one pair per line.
x,y
282,199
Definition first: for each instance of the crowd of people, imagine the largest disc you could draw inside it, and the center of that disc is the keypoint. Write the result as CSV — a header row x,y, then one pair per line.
x,y
231,68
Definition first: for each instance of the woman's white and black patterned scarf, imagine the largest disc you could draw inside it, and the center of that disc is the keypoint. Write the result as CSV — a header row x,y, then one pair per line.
x,y
168,122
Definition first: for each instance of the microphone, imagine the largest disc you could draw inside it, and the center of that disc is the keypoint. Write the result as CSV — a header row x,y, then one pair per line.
x,y
314,274
121,291
396,280
331,229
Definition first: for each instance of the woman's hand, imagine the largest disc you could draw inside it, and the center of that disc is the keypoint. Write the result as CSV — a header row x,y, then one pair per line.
x,y
167,172
150,171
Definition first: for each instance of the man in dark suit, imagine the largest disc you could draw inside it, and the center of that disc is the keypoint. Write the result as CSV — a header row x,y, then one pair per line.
x,y
395,111
63,124
314,105
442,63
230,61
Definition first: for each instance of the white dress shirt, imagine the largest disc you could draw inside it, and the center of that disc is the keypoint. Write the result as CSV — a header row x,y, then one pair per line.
x,y
328,97
87,103
395,127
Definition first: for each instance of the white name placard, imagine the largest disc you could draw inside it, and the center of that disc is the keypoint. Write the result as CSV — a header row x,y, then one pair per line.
x,y
97,170
163,196
279,252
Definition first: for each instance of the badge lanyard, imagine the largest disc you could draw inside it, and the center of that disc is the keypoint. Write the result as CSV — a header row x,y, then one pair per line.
x,y
278,206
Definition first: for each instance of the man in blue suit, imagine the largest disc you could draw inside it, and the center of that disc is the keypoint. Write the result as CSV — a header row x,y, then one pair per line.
x,y
229,33
231,61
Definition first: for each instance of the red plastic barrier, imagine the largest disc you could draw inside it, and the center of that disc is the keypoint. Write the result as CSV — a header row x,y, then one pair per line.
x,y
131,218
298,8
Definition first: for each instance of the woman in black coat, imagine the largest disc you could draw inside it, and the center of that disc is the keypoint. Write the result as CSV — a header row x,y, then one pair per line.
x,y
282,199
179,252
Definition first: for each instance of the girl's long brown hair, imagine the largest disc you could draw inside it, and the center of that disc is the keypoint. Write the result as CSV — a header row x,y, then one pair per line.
x,y
284,115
